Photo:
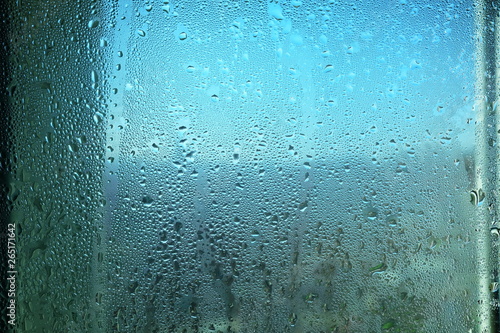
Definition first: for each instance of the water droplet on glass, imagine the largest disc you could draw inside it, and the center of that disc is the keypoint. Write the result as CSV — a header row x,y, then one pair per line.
x,y
93,24
328,68
275,11
303,206
477,197
392,221
371,213
93,76
147,201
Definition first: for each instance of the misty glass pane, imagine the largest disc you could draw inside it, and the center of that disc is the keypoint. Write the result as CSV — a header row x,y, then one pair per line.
x,y
251,166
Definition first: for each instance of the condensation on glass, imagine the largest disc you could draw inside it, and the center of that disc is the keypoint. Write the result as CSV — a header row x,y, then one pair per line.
x,y
253,166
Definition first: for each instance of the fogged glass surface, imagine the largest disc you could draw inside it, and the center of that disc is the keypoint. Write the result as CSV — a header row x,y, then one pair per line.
x,y
246,166
53,107
292,167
